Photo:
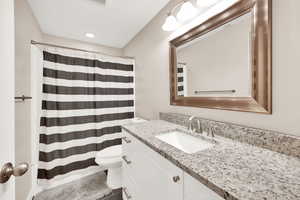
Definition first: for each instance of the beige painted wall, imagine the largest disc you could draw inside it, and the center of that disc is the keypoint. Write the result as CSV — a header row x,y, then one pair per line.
x,y
27,29
82,45
150,48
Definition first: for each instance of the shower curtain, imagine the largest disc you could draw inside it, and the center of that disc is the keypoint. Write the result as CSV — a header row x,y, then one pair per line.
x,y
85,99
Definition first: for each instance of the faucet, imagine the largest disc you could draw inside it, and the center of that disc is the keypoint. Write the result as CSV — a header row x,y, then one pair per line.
x,y
199,128
191,128
211,132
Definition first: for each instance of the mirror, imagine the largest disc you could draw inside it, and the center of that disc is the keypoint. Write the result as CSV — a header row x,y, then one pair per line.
x,y
216,64
225,62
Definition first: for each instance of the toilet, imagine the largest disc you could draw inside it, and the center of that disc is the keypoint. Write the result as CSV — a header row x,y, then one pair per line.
x,y
111,159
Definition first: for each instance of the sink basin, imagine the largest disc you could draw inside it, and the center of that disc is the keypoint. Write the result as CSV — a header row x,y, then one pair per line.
x,y
185,142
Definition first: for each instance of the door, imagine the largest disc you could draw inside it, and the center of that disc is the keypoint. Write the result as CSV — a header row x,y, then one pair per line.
x,y
7,57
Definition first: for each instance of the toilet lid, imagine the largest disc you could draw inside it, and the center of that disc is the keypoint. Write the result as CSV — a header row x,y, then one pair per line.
x,y
110,152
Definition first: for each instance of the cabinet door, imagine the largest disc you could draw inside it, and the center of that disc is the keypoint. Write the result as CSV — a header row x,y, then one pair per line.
x,y
130,189
194,190
155,175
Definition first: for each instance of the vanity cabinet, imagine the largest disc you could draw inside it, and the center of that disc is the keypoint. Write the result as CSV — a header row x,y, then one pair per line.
x,y
147,176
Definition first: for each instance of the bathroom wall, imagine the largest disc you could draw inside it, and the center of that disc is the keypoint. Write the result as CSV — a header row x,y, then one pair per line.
x,y
150,48
82,45
27,29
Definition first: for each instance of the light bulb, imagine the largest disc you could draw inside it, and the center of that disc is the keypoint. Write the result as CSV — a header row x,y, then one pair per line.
x,y
90,35
170,24
206,3
186,12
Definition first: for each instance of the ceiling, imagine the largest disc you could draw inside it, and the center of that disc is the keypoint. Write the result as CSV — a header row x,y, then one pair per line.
x,y
113,22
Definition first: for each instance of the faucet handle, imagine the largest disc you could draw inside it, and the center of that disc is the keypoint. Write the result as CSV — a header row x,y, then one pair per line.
x,y
191,118
199,124
190,123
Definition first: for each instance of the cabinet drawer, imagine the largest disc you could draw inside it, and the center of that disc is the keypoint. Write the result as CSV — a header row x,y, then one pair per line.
x,y
128,143
194,190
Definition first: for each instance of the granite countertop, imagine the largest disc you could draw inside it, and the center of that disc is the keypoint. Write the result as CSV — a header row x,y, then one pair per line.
x,y
232,169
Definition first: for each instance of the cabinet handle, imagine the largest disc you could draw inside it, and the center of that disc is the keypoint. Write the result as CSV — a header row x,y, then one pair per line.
x,y
176,179
126,160
125,190
126,139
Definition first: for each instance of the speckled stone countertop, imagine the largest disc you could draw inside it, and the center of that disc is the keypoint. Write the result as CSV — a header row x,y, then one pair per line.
x,y
232,169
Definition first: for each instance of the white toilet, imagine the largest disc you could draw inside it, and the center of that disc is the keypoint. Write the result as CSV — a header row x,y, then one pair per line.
x,y
110,159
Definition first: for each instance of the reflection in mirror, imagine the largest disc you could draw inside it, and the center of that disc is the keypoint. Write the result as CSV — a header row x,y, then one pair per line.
x,y
217,64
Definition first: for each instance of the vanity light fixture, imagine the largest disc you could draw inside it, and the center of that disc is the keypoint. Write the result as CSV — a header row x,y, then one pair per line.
x,y
90,35
170,24
186,12
206,3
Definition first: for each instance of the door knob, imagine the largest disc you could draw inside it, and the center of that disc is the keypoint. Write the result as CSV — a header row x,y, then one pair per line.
x,y
8,170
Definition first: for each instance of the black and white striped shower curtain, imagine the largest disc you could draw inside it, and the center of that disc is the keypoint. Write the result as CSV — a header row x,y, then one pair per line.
x,y
86,97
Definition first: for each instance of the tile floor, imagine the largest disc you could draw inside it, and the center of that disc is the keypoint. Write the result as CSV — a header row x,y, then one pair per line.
x,y
92,187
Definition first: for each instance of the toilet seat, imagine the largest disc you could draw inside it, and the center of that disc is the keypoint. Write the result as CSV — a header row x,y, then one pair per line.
x,y
110,157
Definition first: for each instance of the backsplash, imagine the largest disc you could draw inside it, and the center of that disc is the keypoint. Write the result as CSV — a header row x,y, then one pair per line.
x,y
272,140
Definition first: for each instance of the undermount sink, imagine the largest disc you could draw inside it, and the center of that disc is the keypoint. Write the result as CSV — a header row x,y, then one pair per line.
x,y
185,142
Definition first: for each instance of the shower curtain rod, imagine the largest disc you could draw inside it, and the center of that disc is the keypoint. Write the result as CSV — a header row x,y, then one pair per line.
x,y
75,49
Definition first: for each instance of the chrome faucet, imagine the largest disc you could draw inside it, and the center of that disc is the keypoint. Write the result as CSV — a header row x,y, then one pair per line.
x,y
211,132
191,128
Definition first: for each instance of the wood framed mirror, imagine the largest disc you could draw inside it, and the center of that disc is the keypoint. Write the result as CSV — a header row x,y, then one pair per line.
x,y
208,72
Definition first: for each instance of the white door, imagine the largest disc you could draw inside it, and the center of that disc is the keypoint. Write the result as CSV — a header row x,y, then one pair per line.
x,y
7,67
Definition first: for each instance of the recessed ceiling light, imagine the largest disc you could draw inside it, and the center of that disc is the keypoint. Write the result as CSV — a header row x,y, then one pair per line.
x,y
90,35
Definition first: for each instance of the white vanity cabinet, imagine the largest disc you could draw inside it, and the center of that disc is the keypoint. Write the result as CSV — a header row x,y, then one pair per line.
x,y
147,176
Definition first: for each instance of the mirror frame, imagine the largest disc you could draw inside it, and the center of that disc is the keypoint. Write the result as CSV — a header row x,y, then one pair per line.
x,y
261,59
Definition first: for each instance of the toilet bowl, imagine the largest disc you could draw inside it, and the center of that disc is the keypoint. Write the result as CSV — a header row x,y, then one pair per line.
x,y
110,159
